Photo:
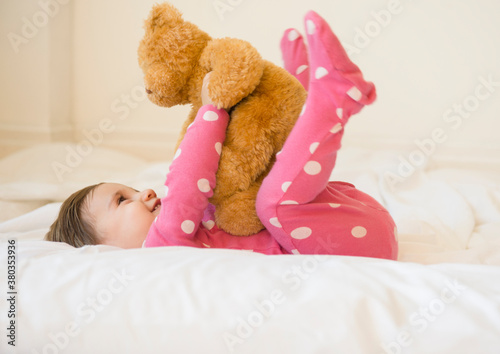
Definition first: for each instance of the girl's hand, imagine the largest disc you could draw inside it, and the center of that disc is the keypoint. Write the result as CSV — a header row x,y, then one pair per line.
x,y
205,99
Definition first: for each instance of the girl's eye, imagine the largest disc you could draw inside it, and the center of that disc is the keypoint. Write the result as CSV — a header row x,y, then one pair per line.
x,y
120,200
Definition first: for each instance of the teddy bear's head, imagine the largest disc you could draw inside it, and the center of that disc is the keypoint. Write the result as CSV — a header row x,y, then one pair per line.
x,y
168,55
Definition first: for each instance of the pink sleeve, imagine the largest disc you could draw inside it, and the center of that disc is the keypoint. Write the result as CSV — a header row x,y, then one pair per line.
x,y
190,181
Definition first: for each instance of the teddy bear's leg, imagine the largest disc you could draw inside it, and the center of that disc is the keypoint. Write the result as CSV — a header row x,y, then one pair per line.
x,y
237,214
294,53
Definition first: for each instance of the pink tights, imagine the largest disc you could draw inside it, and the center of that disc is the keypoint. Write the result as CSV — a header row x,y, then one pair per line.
x,y
298,205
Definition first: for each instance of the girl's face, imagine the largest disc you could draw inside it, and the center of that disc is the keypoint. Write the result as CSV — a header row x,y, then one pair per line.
x,y
122,215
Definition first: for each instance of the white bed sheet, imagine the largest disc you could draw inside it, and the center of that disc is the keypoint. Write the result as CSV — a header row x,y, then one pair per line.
x,y
442,296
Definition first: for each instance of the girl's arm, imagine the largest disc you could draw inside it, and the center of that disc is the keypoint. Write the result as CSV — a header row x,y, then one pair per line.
x,y
191,180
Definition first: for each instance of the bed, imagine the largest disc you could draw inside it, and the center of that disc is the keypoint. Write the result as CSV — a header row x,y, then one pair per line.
x,y
441,296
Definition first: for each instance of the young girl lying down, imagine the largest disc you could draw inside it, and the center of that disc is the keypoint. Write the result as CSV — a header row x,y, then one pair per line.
x,y
302,211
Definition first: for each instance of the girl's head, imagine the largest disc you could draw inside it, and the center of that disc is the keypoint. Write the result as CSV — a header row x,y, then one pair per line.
x,y
106,213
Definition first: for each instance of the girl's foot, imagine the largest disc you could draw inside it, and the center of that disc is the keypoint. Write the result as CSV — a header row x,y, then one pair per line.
x,y
294,54
335,81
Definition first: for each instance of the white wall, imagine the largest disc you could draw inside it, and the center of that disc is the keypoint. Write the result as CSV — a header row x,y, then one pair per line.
x,y
427,59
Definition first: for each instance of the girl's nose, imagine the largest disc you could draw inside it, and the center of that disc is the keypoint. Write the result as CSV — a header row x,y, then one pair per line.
x,y
148,194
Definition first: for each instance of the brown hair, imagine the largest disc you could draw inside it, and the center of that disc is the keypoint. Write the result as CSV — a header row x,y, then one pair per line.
x,y
71,226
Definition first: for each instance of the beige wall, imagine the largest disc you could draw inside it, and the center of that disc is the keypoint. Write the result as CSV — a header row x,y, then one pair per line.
x,y
36,74
76,77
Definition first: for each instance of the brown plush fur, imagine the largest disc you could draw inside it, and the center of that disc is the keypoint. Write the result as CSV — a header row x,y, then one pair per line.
x,y
175,56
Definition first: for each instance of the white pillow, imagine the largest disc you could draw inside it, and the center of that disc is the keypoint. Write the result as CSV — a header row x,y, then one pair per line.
x,y
53,171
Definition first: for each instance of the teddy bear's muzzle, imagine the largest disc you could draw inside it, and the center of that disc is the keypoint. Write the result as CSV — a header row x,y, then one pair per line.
x,y
148,91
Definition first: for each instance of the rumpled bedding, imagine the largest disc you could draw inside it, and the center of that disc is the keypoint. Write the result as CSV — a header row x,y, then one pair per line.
x,y
441,296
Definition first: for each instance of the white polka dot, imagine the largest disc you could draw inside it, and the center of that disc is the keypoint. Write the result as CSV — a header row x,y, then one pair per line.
x,y
187,226
177,153
275,222
301,233
295,251
155,219
340,113
210,116
284,186
336,128
301,69
209,224
166,190
312,168
303,109
313,147
311,27
289,202
354,93
279,152
204,185
334,205
293,35
358,231
218,148
189,126
204,244
320,72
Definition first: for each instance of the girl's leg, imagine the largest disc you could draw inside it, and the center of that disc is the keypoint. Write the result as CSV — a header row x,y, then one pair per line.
x,y
336,91
296,203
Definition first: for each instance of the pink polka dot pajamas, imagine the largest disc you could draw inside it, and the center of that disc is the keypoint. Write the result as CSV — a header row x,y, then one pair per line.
x,y
303,212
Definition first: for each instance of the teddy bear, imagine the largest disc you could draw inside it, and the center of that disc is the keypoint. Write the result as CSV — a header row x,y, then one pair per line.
x,y
263,101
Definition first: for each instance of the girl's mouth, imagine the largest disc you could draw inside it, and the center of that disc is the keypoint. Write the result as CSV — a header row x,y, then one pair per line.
x,y
156,206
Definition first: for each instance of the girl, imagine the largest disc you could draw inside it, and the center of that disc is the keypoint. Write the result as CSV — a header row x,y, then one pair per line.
x,y
302,211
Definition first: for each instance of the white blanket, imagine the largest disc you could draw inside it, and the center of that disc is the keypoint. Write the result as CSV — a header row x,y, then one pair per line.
x,y
442,296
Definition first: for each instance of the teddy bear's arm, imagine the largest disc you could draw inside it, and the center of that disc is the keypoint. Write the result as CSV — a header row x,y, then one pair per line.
x,y
236,68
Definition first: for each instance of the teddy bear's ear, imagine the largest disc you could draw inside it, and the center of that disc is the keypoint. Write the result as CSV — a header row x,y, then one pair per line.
x,y
163,15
